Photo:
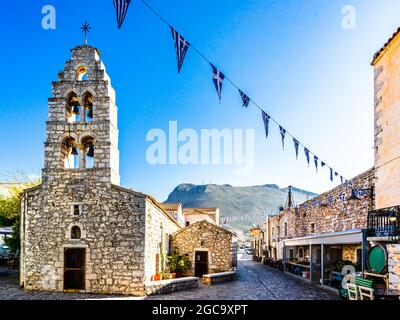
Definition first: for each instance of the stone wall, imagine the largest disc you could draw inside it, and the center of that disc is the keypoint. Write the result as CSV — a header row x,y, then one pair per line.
x,y
159,227
205,236
387,124
350,252
112,224
169,286
318,215
394,266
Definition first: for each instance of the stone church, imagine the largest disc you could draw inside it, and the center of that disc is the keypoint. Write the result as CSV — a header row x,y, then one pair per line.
x,y
80,230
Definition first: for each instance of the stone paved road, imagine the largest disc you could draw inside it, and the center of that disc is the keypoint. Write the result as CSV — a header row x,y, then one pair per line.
x,y
256,282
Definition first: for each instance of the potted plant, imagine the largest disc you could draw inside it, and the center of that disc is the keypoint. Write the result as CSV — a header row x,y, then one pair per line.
x,y
178,265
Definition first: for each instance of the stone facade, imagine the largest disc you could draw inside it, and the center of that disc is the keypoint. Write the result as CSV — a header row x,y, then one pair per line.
x,y
326,213
120,230
205,236
393,251
387,121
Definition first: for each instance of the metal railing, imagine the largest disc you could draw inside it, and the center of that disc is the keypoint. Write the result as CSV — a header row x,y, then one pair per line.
x,y
384,223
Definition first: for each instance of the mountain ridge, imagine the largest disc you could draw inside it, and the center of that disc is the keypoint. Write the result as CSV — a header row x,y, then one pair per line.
x,y
241,207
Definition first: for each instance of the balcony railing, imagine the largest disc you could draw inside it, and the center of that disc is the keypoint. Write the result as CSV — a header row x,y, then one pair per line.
x,y
384,223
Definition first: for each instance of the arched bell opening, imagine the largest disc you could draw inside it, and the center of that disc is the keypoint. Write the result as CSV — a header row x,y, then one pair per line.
x,y
70,154
81,73
88,107
72,109
88,152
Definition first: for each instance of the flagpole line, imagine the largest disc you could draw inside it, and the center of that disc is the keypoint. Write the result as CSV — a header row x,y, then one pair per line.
x,y
233,84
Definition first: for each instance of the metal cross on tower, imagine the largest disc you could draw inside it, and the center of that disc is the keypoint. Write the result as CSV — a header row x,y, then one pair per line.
x,y
86,29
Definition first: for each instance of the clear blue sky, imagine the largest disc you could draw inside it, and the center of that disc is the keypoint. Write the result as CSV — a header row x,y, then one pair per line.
x,y
292,57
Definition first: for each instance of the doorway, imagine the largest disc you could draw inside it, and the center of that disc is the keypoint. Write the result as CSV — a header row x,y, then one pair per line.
x,y
201,263
74,269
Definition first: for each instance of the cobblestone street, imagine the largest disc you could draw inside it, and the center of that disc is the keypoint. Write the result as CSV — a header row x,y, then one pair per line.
x,y
255,282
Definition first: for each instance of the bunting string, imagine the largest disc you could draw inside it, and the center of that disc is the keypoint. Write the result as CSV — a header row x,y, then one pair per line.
x,y
182,46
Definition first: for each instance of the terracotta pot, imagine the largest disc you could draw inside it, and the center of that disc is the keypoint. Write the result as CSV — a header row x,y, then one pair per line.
x,y
157,277
173,275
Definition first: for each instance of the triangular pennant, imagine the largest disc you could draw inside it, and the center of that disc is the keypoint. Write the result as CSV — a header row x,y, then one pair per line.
x,y
218,77
296,147
121,6
307,153
266,118
181,47
316,163
245,98
283,133
323,164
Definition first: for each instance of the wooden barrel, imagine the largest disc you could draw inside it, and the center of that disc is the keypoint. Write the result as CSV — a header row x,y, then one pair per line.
x,y
377,259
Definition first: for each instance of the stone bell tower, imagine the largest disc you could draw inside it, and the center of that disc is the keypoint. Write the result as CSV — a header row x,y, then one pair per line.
x,y
81,131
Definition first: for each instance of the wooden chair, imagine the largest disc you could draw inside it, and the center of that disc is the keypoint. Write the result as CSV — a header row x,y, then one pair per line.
x,y
352,291
365,288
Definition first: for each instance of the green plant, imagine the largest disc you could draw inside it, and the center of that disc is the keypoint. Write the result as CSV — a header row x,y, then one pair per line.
x,y
177,263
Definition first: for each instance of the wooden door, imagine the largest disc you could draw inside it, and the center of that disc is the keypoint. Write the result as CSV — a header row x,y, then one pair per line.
x,y
74,269
201,263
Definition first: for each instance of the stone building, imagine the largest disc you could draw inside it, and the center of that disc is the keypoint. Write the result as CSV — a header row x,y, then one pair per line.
x,y
80,230
209,247
341,224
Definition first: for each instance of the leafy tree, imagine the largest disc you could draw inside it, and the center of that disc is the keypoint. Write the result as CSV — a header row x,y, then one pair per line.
x,y
10,209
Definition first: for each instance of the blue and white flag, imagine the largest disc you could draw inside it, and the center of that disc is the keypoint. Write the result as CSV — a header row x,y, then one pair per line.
x,y
218,77
331,174
296,147
121,6
341,179
323,164
330,200
283,133
316,163
245,98
307,153
181,47
266,118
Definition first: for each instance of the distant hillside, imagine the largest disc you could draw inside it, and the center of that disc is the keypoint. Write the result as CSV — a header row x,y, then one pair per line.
x,y
240,207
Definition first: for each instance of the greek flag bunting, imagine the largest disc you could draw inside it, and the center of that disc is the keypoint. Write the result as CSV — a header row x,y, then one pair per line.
x,y
307,153
218,77
121,6
283,133
181,47
331,174
245,98
323,164
266,118
316,163
296,147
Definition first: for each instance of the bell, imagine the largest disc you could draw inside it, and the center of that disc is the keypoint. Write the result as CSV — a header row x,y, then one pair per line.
x,y
74,151
75,109
74,101
90,152
90,113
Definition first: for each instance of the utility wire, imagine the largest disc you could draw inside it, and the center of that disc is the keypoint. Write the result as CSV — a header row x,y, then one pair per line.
x,y
162,19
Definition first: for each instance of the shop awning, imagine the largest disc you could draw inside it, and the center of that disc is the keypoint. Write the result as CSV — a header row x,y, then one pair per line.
x,y
343,237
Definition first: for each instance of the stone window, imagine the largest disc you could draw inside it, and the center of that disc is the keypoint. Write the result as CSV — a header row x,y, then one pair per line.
x,y
76,209
88,152
72,108
88,107
81,73
70,154
75,232
286,229
312,228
